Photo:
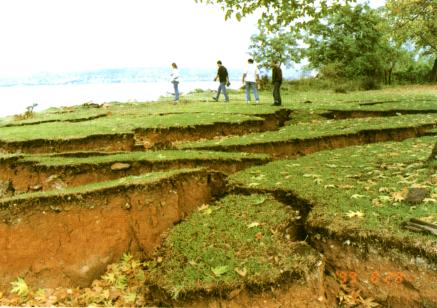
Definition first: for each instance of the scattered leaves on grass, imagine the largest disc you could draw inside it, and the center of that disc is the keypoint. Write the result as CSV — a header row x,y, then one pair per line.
x,y
352,214
253,225
259,200
219,270
357,196
241,272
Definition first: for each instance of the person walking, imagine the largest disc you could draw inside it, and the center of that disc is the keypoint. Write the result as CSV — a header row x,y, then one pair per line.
x,y
277,81
250,77
223,78
174,76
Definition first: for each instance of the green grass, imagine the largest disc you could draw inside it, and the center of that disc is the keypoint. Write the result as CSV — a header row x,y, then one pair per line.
x,y
368,183
237,241
151,156
316,129
115,124
79,113
406,97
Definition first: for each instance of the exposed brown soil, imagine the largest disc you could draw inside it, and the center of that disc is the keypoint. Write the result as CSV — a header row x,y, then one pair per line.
x,y
104,143
26,176
294,147
69,240
392,101
347,114
391,272
295,292
392,278
141,139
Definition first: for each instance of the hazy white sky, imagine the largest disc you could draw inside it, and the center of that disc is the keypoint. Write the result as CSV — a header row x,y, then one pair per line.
x,y
66,35
72,35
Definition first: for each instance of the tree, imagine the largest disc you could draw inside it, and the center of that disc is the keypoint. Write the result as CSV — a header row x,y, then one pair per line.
x,y
350,43
282,45
279,13
416,20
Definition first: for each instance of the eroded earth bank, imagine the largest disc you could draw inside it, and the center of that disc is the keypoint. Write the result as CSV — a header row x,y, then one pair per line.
x,y
201,216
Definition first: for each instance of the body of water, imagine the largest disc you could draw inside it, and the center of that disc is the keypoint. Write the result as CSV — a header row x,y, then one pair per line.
x,y
122,85
105,85
15,99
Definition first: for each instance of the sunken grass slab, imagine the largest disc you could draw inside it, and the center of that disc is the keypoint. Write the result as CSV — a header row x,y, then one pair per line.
x,y
115,124
152,156
361,191
88,112
318,129
238,241
147,178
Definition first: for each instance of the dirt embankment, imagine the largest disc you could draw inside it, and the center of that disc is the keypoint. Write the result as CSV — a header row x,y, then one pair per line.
x,y
28,176
68,240
143,139
348,114
294,147
393,275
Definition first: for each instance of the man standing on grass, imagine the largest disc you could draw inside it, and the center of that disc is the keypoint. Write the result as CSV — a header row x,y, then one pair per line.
x,y
250,76
223,77
277,81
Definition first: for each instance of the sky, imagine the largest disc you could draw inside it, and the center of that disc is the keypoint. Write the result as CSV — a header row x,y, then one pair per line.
x,y
81,35
76,35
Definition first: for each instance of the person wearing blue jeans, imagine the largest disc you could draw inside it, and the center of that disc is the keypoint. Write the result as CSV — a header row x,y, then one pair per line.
x,y
223,77
250,76
175,81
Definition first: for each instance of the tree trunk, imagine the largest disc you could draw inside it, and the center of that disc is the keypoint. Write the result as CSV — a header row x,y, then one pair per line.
x,y
433,74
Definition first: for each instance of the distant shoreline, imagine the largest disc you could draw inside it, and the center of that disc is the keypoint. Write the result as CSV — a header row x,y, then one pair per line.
x,y
15,99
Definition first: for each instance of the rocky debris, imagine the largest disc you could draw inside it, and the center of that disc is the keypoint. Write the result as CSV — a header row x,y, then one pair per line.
x,y
35,188
55,182
417,195
120,166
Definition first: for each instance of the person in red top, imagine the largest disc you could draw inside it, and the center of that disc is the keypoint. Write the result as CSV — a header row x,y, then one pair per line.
x,y
223,77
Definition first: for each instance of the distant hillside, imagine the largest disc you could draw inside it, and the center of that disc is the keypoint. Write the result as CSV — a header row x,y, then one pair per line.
x,y
105,76
123,75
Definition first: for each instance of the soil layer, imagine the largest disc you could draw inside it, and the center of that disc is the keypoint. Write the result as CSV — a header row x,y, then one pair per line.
x,y
69,240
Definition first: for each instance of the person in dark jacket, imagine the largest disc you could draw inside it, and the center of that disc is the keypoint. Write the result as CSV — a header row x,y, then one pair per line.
x,y
277,81
223,78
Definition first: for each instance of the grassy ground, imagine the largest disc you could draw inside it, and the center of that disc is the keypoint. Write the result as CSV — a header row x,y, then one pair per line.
x,y
114,124
359,190
143,179
246,240
238,241
151,156
319,128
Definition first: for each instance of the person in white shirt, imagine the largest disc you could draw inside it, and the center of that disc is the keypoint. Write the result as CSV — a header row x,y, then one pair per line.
x,y
250,77
175,81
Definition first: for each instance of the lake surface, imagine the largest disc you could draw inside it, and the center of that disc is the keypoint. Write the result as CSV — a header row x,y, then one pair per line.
x,y
100,86
15,99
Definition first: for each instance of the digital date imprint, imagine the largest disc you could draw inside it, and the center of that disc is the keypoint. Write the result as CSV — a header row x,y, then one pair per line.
x,y
375,277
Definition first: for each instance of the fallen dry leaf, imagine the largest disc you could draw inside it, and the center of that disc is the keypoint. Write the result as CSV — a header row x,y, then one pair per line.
x,y
241,272
352,214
